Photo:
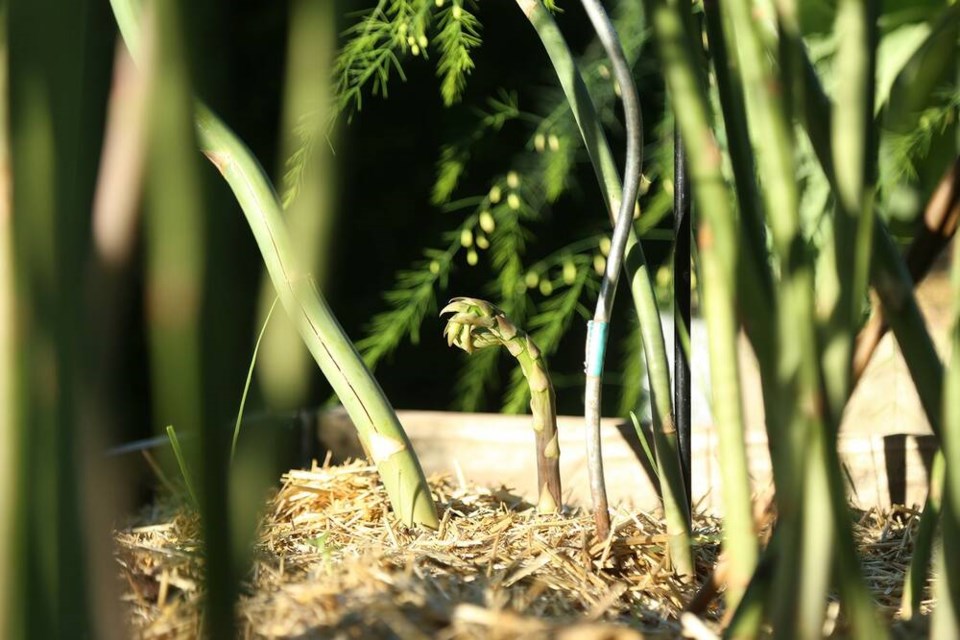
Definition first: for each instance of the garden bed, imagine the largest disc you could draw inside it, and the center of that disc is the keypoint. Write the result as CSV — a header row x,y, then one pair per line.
x,y
331,561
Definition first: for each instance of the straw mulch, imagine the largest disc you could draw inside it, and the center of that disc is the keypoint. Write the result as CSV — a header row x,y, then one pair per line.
x,y
331,561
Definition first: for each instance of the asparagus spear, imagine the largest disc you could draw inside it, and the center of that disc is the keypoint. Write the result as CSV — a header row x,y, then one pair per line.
x,y
477,324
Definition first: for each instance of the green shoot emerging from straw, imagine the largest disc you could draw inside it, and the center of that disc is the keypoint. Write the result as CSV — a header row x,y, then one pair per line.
x,y
182,462
246,385
477,324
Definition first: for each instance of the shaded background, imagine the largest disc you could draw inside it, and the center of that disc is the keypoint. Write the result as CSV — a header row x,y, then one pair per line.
x,y
385,169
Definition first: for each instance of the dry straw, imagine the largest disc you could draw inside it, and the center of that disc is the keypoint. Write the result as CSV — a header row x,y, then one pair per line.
x,y
332,560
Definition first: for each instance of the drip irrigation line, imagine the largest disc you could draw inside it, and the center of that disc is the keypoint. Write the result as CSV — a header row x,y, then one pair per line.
x,y
597,328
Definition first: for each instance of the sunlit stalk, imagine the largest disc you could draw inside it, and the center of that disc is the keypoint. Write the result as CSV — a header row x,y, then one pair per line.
x,y
641,283
11,524
597,328
948,608
854,155
799,377
284,369
377,424
717,244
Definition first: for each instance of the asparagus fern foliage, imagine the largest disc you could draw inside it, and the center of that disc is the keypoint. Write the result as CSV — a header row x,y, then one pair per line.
x,y
497,227
376,47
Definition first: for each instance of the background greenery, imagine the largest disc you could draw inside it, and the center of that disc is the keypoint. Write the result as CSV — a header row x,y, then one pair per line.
x,y
386,161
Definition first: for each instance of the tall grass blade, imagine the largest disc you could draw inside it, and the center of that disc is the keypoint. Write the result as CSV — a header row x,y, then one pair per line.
x,y
184,467
246,384
651,459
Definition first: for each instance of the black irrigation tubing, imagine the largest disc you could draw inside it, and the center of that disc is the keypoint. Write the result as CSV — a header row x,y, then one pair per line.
x,y
597,328
681,307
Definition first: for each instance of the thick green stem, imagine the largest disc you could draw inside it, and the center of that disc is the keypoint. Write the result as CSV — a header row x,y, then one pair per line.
x,y
854,154
815,109
888,273
946,622
377,424
11,494
949,606
477,324
915,581
378,427
284,367
717,243
801,403
641,283
894,287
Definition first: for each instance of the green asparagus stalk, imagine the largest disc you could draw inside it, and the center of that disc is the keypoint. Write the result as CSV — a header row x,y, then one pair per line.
x,y
888,274
947,614
799,367
717,243
923,543
377,424
641,284
11,492
946,621
284,369
855,160
477,324
813,479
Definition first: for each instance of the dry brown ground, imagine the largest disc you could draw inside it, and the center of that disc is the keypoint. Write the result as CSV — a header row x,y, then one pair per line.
x,y
332,562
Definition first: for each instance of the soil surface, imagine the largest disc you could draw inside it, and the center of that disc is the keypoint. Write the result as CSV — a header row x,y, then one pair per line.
x,y
331,561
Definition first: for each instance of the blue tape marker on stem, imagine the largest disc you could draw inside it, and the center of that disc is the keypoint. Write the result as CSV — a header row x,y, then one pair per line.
x,y
596,347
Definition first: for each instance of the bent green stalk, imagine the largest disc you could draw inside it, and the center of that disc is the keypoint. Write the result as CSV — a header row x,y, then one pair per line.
x,y
717,243
377,424
477,324
597,328
641,283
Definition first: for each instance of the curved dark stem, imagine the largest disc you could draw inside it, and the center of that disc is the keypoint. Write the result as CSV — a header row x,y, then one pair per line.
x,y
681,306
597,332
